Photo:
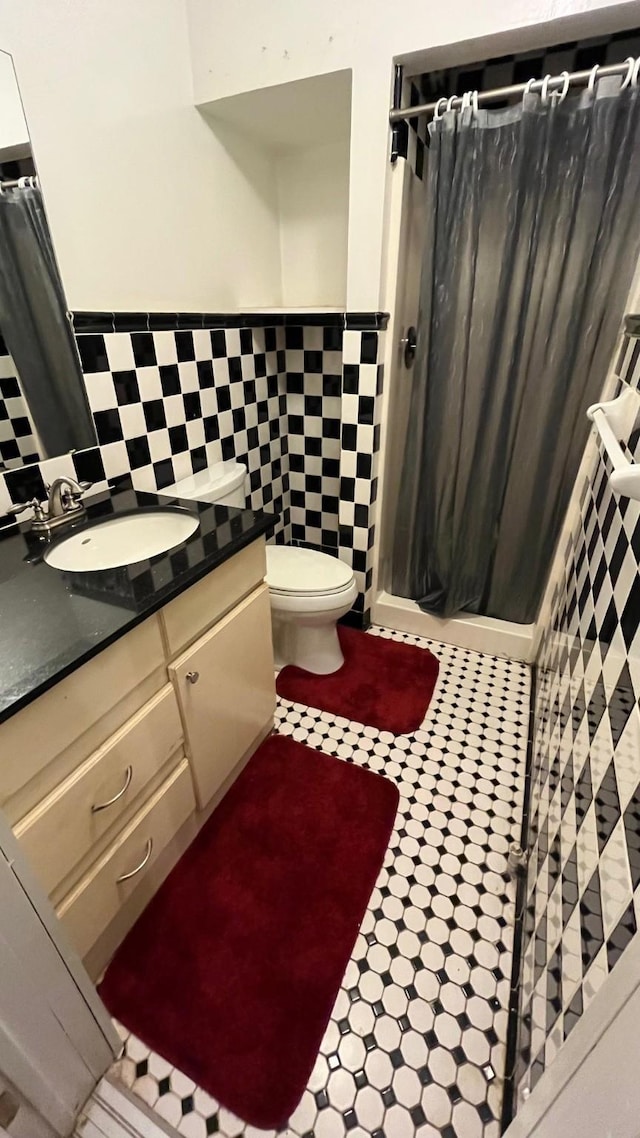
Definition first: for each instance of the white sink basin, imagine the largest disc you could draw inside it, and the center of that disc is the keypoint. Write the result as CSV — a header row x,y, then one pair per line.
x,y
122,541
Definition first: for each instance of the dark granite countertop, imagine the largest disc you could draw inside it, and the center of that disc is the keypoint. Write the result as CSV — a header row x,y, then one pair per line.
x,y
51,622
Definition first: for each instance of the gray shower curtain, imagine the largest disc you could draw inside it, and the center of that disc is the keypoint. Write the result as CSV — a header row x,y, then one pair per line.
x,y
533,235
34,324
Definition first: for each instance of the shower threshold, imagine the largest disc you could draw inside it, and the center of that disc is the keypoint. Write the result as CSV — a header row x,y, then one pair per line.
x,y
478,633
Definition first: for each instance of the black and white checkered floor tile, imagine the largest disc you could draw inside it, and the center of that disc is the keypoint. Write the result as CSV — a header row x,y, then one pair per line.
x,y
416,1042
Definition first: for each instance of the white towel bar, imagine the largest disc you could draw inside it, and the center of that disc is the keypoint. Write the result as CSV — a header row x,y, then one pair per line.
x,y
611,420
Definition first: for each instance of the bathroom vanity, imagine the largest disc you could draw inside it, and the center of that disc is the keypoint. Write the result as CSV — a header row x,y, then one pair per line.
x,y
130,701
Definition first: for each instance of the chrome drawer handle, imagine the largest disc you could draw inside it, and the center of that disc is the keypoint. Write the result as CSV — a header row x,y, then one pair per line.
x,y
192,677
139,868
97,806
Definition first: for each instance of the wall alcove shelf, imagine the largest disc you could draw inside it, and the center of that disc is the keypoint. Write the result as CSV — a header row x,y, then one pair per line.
x,y
302,132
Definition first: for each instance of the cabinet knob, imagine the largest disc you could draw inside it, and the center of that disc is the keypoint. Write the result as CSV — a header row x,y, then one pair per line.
x,y
192,677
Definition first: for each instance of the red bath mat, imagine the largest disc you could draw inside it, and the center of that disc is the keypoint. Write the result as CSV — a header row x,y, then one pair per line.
x,y
232,971
382,683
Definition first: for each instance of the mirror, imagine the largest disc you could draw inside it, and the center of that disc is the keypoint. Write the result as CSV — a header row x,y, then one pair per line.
x,y
43,404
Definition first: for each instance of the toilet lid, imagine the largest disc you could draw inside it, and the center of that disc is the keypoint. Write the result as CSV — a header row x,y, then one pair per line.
x,y
296,570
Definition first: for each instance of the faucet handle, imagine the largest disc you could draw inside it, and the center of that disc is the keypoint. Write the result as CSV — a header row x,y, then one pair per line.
x,y
21,506
76,491
33,504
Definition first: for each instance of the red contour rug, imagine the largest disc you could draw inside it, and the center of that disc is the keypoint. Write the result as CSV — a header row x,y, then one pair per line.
x,y
232,971
382,683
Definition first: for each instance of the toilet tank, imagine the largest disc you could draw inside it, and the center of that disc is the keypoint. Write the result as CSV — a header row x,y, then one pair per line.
x,y
223,482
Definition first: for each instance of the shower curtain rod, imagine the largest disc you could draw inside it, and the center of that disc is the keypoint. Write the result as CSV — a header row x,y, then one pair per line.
x,y
629,68
28,181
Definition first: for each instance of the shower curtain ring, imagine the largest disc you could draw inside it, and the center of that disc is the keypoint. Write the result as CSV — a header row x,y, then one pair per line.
x,y
470,102
630,62
636,71
544,93
560,96
450,102
437,113
593,76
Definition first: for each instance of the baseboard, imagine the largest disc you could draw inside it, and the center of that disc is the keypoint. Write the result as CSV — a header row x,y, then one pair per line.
x,y
477,633
114,1112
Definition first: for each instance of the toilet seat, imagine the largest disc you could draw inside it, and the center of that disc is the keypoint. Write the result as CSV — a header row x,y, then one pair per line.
x,y
308,593
299,572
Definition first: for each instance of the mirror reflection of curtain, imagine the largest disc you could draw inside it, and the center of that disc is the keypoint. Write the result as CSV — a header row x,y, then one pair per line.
x,y
35,325
533,235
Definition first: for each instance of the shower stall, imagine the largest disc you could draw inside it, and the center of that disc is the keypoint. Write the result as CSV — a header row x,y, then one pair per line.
x,y
516,291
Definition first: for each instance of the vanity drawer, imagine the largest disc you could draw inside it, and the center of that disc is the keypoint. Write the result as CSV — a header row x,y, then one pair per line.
x,y
47,740
62,829
95,901
200,606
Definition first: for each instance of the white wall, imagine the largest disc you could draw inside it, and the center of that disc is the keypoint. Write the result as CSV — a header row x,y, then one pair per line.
x,y
13,127
149,209
252,44
313,195
303,129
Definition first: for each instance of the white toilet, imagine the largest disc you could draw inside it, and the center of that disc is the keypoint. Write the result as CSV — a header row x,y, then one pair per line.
x,y
223,482
309,590
309,593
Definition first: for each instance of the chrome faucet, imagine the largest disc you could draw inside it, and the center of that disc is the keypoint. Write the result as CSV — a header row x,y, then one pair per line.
x,y
64,497
63,505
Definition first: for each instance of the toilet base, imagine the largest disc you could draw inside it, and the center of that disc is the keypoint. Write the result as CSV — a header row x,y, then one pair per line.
x,y
304,628
312,646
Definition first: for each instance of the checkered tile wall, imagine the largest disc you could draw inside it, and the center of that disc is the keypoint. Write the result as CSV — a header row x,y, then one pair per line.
x,y
18,444
577,55
285,400
362,381
334,384
167,403
583,888
314,383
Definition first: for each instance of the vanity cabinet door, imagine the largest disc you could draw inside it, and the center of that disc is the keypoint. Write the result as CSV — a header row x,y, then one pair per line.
x,y
226,689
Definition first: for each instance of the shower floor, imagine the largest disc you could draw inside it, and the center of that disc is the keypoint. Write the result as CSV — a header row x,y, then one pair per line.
x,y
416,1042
